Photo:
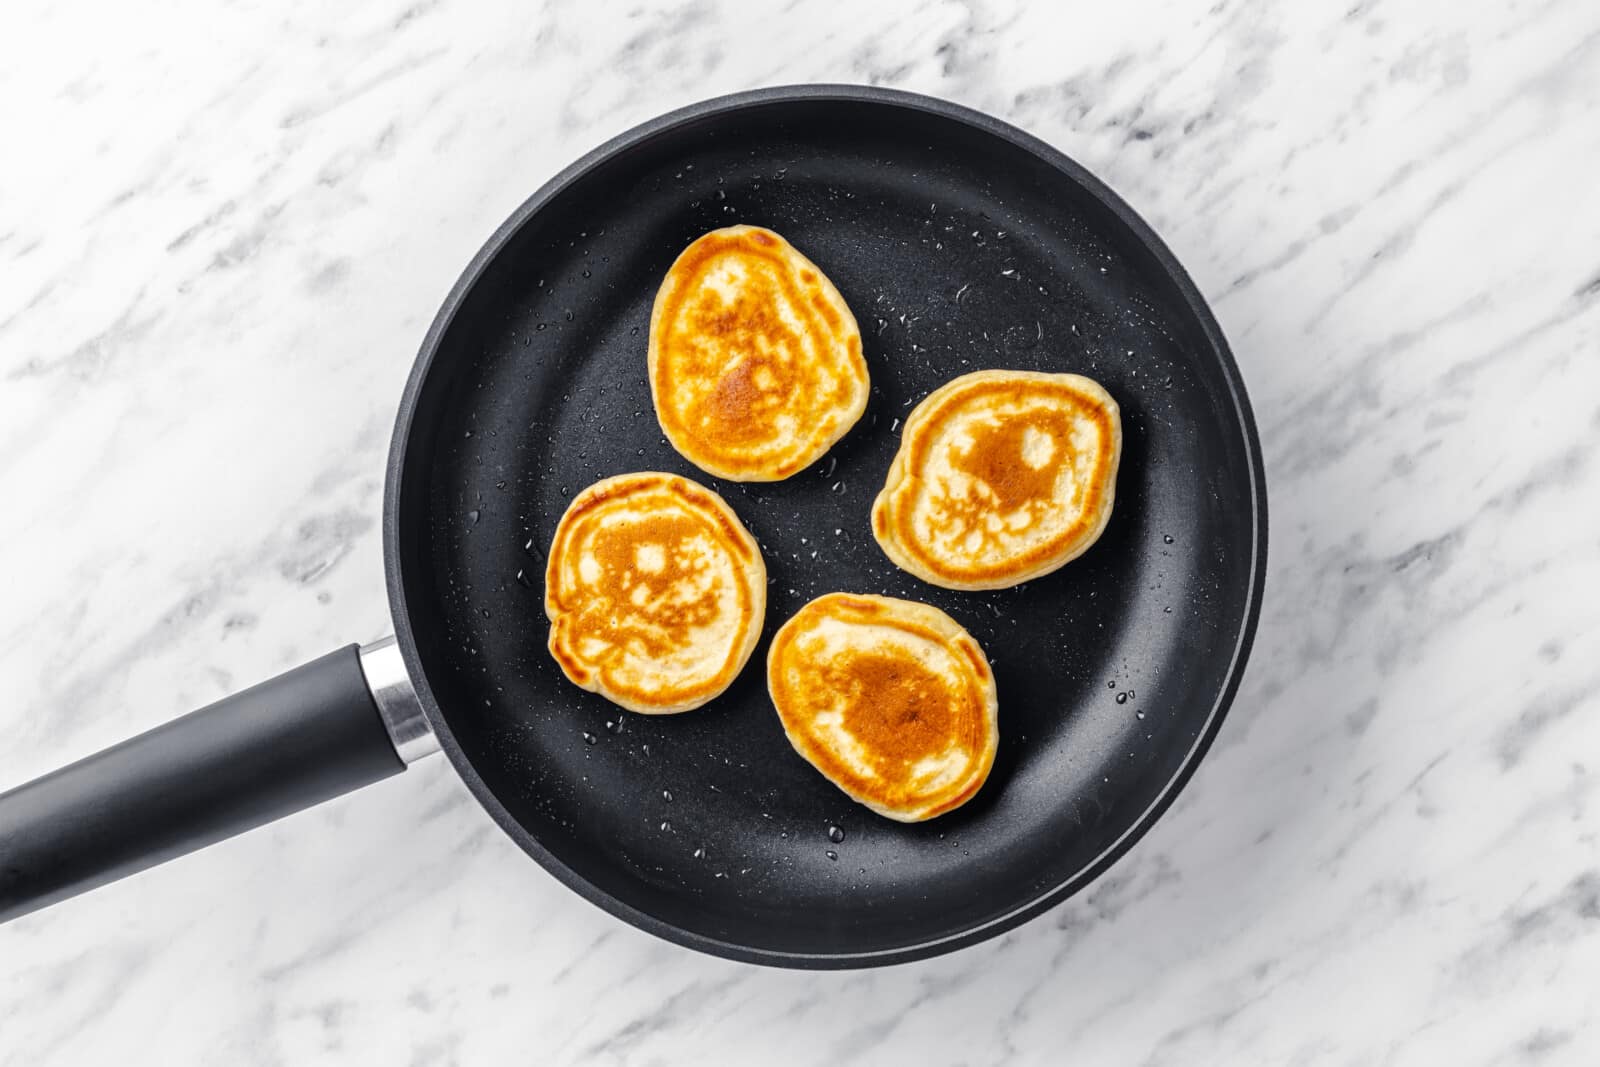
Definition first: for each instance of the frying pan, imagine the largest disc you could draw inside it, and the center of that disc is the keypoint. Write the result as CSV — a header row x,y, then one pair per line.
x,y
960,243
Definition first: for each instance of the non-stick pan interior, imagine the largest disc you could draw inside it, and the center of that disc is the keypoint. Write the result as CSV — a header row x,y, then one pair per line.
x,y
958,248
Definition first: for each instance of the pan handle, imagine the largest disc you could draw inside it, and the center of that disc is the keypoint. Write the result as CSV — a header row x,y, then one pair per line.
x,y
339,722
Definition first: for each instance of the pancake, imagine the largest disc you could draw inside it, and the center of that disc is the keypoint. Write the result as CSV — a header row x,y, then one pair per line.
x,y
891,700
755,360
656,592
1002,476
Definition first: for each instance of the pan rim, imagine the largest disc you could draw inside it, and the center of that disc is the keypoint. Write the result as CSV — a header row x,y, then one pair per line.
x,y
847,94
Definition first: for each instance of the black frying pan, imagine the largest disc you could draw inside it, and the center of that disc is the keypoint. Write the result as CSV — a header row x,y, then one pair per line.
x,y
960,243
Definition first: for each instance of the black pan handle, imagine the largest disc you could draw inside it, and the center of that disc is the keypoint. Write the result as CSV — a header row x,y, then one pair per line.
x,y
293,741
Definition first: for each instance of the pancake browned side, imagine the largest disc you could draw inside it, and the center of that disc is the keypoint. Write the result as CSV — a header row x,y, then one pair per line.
x,y
755,359
1002,476
891,700
656,592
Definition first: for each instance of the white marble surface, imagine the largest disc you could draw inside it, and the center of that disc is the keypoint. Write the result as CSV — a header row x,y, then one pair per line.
x,y
222,233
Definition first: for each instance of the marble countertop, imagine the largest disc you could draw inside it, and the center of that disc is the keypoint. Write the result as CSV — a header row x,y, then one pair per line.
x,y
222,235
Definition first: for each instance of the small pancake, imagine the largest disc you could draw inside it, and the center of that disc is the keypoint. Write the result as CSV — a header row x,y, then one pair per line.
x,y
755,360
1002,476
891,700
656,592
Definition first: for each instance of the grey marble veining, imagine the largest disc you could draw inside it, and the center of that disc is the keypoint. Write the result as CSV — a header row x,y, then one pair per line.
x,y
222,234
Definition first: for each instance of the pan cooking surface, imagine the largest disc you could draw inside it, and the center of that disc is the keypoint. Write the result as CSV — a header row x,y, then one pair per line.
x,y
958,250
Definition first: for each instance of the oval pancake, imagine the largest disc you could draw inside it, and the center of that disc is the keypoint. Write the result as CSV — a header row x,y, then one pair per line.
x,y
755,360
656,592
1002,476
891,700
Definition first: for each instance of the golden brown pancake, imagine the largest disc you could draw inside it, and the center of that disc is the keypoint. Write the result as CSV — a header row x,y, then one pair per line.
x,y
755,360
1002,476
891,700
656,592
